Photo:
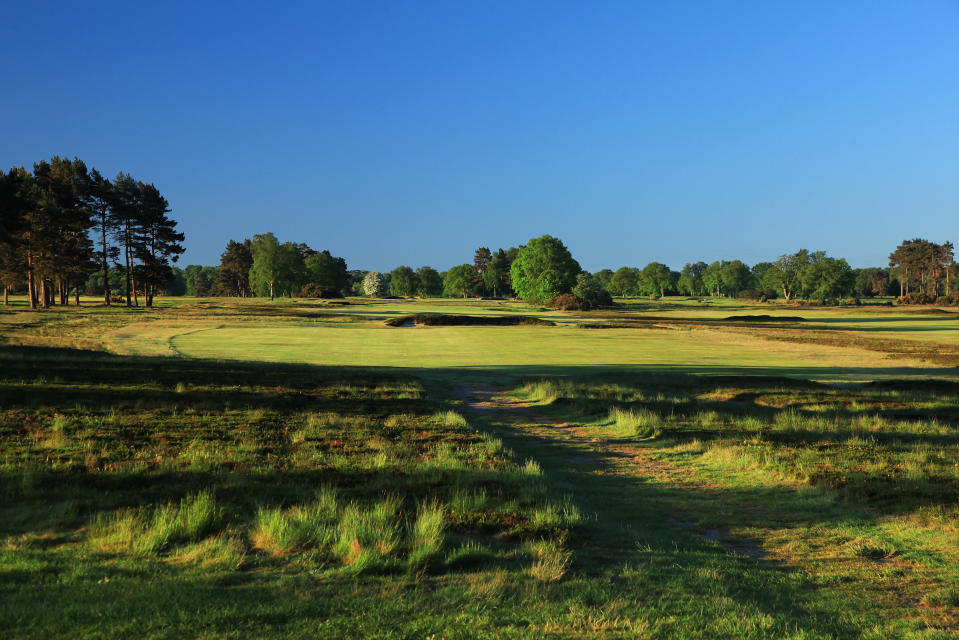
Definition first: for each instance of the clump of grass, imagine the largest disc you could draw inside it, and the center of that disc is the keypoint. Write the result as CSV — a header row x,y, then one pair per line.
x,y
366,538
468,556
552,561
552,516
641,423
218,552
948,597
872,550
427,536
545,391
143,532
313,525
450,419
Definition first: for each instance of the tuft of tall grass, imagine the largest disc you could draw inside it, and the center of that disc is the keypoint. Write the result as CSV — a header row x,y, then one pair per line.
x,y
367,538
146,532
217,552
552,561
469,555
450,419
641,423
427,536
312,525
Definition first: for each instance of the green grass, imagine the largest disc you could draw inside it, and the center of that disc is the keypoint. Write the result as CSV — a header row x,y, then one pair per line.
x,y
296,469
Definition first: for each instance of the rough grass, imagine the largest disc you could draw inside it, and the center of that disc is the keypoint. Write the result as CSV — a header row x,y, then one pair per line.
x,y
174,496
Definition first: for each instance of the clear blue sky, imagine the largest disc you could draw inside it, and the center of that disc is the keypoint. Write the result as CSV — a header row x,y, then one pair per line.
x,y
411,133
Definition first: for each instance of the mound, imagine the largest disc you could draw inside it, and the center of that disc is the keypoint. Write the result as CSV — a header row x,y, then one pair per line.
x,y
447,320
765,318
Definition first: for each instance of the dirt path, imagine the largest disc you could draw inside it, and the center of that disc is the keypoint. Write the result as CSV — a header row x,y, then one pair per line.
x,y
611,462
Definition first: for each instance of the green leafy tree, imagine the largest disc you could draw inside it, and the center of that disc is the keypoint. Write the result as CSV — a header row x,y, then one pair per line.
x,y
158,243
604,277
429,282
233,277
825,278
496,278
713,278
543,269
654,279
328,271
403,282
265,271
690,280
735,277
481,263
591,292
784,274
625,282
459,281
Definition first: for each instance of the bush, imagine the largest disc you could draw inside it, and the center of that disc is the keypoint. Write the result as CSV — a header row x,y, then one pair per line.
x,y
756,294
314,290
916,298
589,290
567,302
948,300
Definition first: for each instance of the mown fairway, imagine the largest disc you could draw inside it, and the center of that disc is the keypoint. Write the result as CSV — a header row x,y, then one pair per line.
x,y
300,469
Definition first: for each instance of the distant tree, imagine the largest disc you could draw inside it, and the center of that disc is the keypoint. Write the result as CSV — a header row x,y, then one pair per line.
x,y
590,291
604,277
878,281
328,271
233,278
157,243
374,284
690,280
126,211
735,277
923,264
403,282
825,278
654,279
758,274
430,284
496,278
201,285
460,281
481,262
713,278
543,269
784,274
625,282
265,271
99,198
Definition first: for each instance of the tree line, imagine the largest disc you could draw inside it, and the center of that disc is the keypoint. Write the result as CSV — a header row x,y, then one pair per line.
x,y
543,269
62,222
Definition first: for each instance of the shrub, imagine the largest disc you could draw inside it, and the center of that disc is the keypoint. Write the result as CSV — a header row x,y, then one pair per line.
x,y
948,300
916,298
590,291
314,290
756,294
567,302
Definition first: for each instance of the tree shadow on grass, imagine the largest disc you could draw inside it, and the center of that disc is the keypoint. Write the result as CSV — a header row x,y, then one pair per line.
x,y
628,525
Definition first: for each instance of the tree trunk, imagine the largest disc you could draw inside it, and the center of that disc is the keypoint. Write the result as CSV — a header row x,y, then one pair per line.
x,y
6,296
31,285
76,295
271,290
106,266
